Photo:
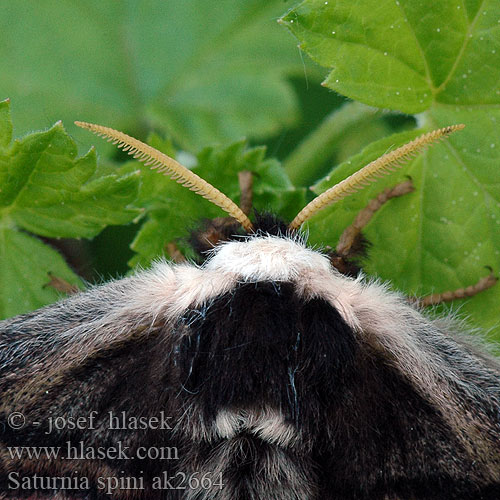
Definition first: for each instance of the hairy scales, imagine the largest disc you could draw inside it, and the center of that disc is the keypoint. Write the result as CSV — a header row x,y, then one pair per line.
x,y
291,380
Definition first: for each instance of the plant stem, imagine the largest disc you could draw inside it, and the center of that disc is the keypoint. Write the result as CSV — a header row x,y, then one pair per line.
x,y
309,156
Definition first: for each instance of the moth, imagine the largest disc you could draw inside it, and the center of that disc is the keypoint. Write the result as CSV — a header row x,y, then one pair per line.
x,y
270,371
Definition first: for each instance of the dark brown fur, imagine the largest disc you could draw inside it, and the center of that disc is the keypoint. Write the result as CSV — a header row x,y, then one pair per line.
x,y
266,387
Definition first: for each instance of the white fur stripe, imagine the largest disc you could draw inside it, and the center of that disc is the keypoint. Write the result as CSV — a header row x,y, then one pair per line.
x,y
268,425
168,290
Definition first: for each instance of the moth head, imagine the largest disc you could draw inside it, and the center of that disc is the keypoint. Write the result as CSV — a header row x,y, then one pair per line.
x,y
216,230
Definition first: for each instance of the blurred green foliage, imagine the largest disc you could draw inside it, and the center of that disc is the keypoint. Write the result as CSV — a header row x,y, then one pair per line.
x,y
196,78
202,71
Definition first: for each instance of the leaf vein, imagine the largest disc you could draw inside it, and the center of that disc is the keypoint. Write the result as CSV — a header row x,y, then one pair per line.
x,y
419,46
461,52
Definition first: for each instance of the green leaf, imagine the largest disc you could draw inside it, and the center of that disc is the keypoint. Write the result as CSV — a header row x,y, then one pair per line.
x,y
438,238
404,55
25,266
5,124
441,60
202,71
173,210
48,191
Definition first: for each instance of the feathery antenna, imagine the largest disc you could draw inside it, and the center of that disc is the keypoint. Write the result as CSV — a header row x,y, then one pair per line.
x,y
163,163
371,172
